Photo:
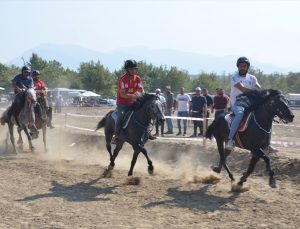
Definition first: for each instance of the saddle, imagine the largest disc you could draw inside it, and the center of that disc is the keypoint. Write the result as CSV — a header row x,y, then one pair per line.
x,y
242,127
244,123
124,120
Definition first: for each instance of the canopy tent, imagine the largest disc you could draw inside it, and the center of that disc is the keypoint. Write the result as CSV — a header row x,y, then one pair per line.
x,y
1,88
89,94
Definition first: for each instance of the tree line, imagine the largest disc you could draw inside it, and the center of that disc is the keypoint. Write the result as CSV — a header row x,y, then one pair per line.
x,y
93,76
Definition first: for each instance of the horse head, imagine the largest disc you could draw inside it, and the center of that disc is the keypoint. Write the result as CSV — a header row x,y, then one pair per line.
x,y
152,107
30,96
280,108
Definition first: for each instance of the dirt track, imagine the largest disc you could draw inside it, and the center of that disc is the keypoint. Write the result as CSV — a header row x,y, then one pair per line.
x,y
64,189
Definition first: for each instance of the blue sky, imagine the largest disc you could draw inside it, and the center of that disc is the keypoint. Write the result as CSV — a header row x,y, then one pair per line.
x,y
267,30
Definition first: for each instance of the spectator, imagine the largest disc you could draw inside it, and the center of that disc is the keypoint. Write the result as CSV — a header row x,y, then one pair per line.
x,y
163,103
58,104
210,104
220,102
169,107
198,110
182,104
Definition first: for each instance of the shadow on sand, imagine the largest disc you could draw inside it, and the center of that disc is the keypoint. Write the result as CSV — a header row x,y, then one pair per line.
x,y
77,192
199,199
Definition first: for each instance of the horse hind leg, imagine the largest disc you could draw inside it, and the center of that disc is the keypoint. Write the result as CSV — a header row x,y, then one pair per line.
x,y
222,162
107,172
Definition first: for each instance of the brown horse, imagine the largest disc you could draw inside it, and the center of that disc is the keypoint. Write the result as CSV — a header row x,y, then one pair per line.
x,y
25,119
41,119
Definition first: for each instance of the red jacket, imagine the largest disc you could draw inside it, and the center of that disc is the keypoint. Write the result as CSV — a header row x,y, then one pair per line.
x,y
39,86
130,87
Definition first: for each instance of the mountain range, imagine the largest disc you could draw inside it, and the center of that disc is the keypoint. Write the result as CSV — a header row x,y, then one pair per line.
x,y
72,55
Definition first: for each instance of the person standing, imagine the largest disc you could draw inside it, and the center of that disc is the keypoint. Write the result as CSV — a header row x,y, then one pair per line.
x,y
221,102
198,110
58,104
182,105
163,104
169,108
210,104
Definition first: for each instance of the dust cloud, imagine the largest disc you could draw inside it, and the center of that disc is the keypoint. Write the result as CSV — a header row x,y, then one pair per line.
x,y
172,160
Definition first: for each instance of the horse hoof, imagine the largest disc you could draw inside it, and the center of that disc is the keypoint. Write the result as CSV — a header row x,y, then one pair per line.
x,y
272,183
133,181
216,169
239,188
151,170
32,149
107,173
110,167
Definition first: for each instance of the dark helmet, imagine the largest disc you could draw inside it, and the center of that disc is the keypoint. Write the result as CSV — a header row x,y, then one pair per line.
x,y
36,73
25,68
243,59
130,64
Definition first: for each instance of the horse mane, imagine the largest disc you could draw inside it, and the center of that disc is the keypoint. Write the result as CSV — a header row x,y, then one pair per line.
x,y
142,100
259,97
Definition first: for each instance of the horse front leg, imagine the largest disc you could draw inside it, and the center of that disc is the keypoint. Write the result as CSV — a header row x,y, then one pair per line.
x,y
272,180
29,138
150,165
250,169
44,129
12,138
20,139
134,158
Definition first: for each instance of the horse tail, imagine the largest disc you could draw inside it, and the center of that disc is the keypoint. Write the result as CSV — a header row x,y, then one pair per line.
x,y
210,129
103,121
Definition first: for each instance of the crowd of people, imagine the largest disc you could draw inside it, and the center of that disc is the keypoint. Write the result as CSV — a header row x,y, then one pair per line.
x,y
199,104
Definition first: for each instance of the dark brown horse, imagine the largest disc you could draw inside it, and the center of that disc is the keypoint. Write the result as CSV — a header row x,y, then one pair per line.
x,y
268,104
41,119
25,119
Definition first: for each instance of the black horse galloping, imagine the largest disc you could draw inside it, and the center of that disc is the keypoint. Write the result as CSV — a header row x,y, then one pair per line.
x,y
147,108
268,104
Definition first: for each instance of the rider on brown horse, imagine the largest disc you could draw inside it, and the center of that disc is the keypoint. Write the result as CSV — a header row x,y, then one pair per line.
x,y
20,83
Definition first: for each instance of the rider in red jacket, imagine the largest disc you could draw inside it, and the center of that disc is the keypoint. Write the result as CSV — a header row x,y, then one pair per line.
x,y
41,91
130,86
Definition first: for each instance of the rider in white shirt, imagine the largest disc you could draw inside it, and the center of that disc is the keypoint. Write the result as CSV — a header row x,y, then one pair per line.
x,y
241,82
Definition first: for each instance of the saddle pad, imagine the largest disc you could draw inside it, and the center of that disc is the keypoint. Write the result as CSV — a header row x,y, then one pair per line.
x,y
244,123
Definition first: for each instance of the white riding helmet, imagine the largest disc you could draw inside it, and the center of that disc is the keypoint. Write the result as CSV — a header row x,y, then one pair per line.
x,y
157,90
198,89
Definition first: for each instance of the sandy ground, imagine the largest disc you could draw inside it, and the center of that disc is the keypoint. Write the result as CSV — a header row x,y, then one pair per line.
x,y
64,187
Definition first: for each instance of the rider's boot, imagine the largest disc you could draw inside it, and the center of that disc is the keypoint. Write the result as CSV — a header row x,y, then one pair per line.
x,y
115,138
229,145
